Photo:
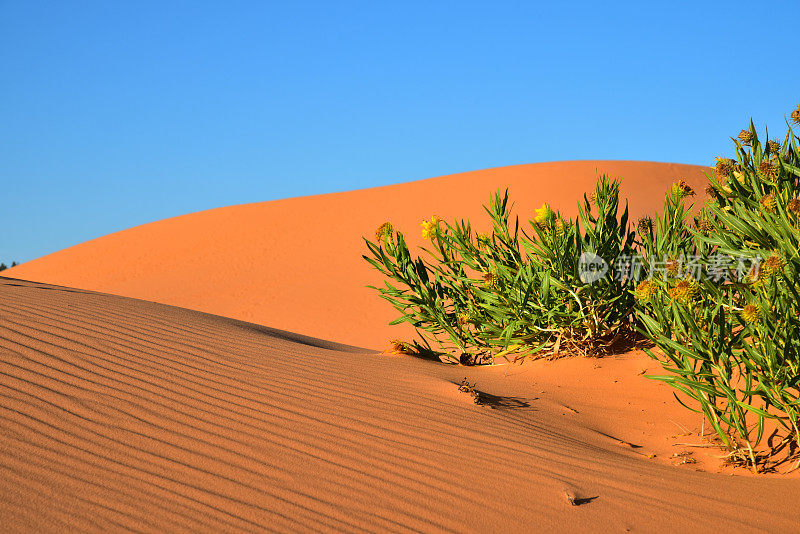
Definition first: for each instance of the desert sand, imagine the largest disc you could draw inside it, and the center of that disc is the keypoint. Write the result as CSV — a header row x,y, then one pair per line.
x,y
124,414
296,264
265,414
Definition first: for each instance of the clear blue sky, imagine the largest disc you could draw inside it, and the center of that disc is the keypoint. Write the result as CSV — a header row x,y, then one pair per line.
x,y
114,114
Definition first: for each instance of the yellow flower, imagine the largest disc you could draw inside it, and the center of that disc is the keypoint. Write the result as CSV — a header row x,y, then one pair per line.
x,y
383,230
430,228
751,314
645,224
772,265
646,290
673,266
769,202
774,146
684,291
769,168
746,136
464,318
543,215
724,167
491,279
794,206
681,189
562,226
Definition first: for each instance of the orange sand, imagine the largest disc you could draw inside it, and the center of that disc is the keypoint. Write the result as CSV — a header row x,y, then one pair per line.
x,y
124,414
296,264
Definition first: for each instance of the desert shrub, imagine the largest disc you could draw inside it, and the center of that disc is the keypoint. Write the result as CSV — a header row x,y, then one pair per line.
x,y
730,338
515,291
427,299
719,298
584,310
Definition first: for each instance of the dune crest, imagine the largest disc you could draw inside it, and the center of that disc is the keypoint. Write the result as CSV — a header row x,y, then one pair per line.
x,y
296,264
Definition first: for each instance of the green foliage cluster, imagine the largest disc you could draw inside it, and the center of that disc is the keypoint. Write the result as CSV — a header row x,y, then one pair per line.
x,y
731,342
517,290
720,299
3,266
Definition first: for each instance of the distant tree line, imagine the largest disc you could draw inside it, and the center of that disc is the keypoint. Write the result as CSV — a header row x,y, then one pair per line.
x,y
3,266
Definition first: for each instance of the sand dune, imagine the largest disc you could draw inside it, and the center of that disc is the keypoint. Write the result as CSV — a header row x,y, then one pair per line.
x,y
296,264
123,414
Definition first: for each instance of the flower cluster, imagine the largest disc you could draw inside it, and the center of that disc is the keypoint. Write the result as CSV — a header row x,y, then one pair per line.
x,y
430,228
681,189
544,215
383,231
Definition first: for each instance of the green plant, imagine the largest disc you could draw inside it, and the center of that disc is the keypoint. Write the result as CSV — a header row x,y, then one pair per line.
x,y
513,292
731,339
426,299
728,333
601,314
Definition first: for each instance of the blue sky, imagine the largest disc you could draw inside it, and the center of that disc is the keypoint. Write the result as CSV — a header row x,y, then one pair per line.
x,y
114,114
